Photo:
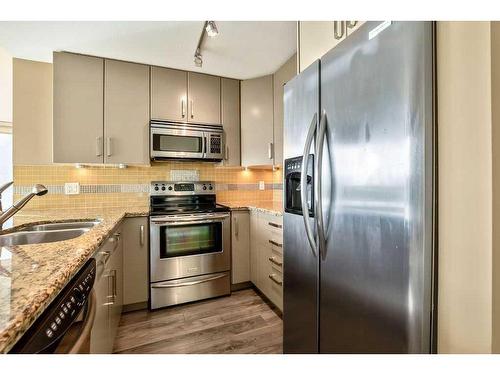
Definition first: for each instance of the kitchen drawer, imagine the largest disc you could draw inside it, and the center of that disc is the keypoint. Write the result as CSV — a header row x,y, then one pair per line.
x,y
174,292
276,260
276,288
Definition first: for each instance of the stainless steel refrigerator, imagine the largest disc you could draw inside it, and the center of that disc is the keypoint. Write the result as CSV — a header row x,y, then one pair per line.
x,y
359,266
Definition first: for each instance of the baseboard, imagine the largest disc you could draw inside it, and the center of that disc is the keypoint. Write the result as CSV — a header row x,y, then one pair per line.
x,y
135,306
240,286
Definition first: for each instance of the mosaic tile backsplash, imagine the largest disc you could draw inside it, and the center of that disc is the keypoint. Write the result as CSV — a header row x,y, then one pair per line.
x,y
108,187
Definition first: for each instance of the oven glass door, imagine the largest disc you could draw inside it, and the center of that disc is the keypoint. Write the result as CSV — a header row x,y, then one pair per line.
x,y
177,143
190,239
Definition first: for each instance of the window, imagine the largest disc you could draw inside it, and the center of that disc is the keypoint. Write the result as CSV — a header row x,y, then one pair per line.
x,y
6,164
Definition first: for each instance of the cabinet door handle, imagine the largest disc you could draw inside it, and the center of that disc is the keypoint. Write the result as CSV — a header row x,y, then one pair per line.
x,y
275,243
275,225
270,150
236,227
108,146
141,235
338,32
183,108
191,105
98,146
275,280
227,153
114,286
351,24
111,296
274,261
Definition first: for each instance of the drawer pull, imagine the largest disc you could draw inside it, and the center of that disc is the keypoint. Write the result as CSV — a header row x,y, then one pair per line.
x,y
275,243
276,281
275,225
274,261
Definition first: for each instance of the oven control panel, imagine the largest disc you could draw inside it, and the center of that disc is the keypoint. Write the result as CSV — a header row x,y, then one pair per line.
x,y
182,188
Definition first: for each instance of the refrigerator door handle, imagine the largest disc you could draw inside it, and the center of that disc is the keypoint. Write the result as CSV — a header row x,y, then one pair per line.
x,y
318,194
303,183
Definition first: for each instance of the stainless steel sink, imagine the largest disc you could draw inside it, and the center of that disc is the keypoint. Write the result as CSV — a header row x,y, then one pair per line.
x,y
37,237
59,226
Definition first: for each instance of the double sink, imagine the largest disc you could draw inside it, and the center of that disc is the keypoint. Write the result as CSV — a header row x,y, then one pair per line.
x,y
45,233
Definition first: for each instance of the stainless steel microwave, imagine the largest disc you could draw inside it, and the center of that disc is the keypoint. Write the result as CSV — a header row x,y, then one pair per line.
x,y
186,141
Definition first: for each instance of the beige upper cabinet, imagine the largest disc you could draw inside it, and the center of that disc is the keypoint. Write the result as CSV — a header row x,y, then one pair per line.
x,y
203,99
231,120
126,112
168,94
257,121
78,109
318,37
282,76
185,96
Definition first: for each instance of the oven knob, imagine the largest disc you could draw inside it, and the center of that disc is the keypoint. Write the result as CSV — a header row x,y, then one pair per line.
x,y
157,188
204,187
163,188
210,187
170,188
53,326
49,333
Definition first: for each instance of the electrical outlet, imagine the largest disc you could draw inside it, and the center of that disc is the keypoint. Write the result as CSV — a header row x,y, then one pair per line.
x,y
71,188
262,185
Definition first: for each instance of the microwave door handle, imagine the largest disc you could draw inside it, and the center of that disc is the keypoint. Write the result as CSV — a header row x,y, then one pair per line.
x,y
204,145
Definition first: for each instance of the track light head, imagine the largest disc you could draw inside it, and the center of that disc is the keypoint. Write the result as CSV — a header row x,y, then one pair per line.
x,y
198,60
211,29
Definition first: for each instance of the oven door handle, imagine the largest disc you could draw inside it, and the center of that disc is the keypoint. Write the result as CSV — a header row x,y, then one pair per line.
x,y
182,222
176,219
175,284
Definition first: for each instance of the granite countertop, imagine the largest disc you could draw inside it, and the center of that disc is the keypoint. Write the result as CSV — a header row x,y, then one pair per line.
x,y
31,276
270,207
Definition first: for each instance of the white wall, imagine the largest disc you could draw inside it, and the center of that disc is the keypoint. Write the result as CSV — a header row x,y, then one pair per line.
x,y
465,187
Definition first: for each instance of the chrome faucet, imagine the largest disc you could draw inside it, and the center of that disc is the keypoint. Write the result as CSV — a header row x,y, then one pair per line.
x,y
8,213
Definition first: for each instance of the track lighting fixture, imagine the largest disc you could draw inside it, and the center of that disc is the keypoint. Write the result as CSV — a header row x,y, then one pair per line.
x,y
211,29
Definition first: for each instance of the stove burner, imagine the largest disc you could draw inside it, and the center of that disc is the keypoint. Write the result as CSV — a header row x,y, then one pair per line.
x,y
170,198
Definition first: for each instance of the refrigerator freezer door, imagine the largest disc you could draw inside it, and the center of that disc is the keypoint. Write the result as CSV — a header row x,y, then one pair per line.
x,y
300,269
375,283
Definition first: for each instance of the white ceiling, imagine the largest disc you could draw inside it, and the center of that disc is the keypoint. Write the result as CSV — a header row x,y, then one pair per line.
x,y
241,50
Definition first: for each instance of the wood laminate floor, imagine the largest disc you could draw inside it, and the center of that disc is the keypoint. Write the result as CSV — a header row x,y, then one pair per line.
x,y
240,323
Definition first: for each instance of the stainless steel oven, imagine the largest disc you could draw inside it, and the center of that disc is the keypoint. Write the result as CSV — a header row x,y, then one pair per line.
x,y
186,141
190,244
187,245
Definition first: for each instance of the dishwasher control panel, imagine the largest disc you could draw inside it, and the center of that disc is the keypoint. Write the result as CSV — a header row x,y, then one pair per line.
x,y
57,318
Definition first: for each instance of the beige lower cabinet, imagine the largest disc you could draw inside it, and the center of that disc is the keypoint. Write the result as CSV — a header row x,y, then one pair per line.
x,y
135,262
240,246
109,294
266,255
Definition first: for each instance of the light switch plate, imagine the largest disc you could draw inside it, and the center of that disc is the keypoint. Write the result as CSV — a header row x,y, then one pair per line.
x,y
262,185
72,188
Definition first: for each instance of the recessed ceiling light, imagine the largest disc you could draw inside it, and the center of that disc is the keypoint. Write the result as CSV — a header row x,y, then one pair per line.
x,y
211,28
